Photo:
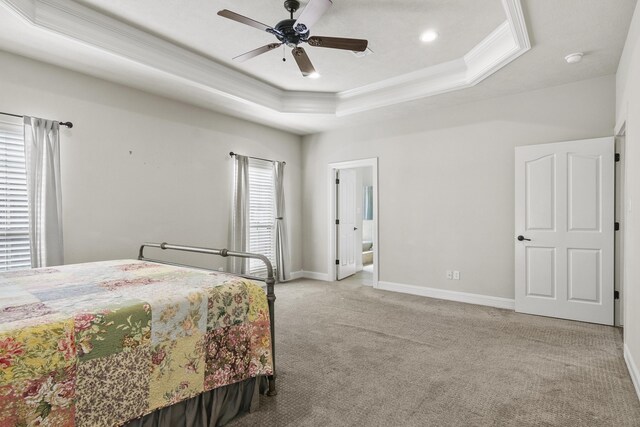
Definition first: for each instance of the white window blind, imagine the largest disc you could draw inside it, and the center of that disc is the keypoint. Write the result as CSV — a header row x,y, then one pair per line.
x,y
261,214
14,213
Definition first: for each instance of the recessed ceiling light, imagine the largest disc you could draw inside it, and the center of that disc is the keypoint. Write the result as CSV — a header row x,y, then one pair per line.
x,y
314,75
428,36
574,58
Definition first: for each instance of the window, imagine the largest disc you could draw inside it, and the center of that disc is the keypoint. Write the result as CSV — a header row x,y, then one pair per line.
x,y
261,214
14,213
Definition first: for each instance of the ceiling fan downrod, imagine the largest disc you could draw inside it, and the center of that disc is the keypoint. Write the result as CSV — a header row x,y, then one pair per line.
x,y
291,6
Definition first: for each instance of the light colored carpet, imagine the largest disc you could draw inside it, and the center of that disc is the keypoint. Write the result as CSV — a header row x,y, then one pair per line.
x,y
348,355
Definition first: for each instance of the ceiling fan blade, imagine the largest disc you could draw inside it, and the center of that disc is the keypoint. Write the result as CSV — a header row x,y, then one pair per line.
x,y
310,15
256,52
356,45
304,63
243,20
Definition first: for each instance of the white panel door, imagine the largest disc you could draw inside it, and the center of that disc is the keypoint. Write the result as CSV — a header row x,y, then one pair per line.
x,y
347,223
564,225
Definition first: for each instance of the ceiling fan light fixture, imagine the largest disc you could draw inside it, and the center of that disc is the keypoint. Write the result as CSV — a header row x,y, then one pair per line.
x,y
429,36
314,75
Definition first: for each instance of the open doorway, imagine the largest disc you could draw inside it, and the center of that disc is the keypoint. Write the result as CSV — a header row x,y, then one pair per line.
x,y
353,201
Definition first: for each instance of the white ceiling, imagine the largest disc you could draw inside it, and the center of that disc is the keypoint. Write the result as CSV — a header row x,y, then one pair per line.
x,y
393,29
555,28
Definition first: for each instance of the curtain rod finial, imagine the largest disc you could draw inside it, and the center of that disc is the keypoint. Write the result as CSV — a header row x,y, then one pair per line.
x,y
232,154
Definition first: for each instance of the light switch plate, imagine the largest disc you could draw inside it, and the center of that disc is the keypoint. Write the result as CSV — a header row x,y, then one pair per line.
x,y
456,275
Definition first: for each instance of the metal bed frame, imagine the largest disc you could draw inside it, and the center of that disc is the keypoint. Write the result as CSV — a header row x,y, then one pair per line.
x,y
270,280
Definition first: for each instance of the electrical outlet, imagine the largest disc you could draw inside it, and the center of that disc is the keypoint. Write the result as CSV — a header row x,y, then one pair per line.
x,y
220,269
449,274
456,275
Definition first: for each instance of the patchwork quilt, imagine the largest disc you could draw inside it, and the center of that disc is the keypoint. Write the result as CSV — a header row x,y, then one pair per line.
x,y
102,343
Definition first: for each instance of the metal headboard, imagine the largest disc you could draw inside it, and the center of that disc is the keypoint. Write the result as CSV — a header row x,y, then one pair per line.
x,y
270,280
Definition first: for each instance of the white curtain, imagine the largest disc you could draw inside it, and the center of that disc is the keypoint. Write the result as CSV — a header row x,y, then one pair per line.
x,y
42,157
283,259
239,227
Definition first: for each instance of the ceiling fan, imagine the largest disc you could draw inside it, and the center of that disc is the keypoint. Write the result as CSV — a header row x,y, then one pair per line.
x,y
293,32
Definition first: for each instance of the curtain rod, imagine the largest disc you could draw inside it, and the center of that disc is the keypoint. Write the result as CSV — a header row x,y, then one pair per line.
x,y
257,158
67,124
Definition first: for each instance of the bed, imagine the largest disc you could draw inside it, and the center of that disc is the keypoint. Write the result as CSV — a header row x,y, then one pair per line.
x,y
134,342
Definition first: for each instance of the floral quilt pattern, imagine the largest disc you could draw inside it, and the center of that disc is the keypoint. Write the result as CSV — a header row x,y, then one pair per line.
x,y
102,343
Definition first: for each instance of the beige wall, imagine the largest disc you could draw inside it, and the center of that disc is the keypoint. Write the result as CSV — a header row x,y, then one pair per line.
x,y
446,185
628,112
137,167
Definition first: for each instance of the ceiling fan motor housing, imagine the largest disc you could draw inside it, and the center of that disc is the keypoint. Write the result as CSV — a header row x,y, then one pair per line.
x,y
287,35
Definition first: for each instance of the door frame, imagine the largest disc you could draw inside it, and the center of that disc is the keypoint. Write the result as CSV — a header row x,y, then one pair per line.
x,y
621,216
352,164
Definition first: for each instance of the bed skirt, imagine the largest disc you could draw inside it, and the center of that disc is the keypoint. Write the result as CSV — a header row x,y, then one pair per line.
x,y
211,409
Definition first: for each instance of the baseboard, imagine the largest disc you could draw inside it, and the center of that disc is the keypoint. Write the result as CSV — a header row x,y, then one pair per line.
x,y
633,369
309,275
316,276
448,295
296,275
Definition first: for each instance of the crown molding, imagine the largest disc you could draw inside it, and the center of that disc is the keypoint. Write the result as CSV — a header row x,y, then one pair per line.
x,y
515,17
503,45
82,24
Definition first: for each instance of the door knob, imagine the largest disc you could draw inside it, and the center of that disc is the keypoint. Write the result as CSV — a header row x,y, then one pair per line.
x,y
355,228
521,238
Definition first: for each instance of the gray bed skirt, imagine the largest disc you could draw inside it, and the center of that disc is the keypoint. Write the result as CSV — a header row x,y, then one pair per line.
x,y
213,408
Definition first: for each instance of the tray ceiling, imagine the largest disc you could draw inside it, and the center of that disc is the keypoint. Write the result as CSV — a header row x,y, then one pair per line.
x,y
393,29
184,53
